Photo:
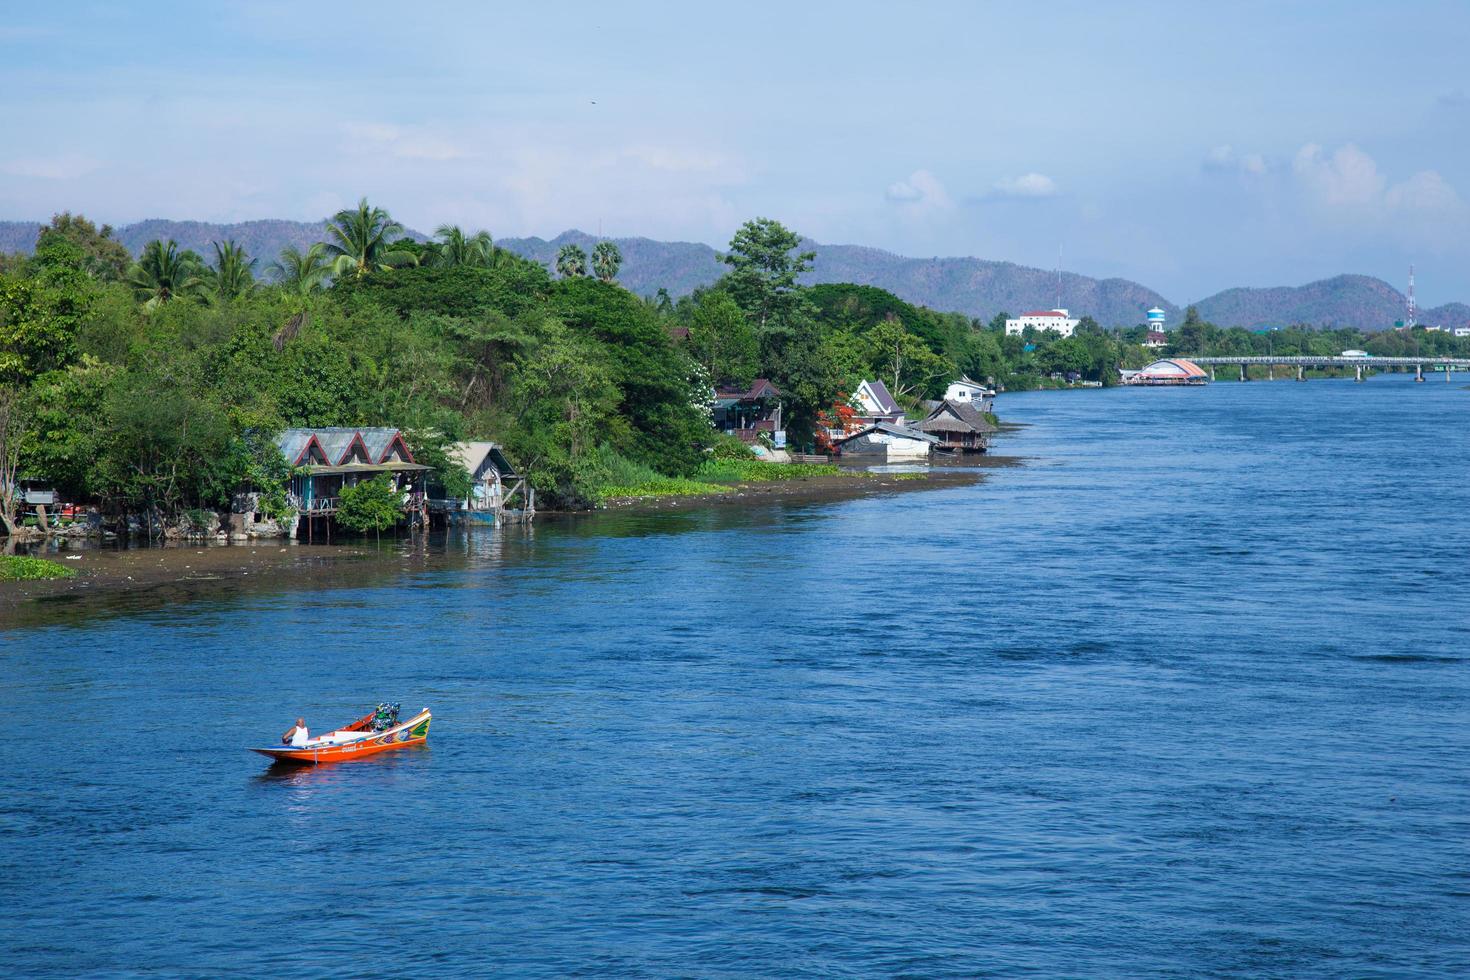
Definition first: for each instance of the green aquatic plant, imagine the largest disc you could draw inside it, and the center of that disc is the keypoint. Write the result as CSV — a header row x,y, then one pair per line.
x,y
24,568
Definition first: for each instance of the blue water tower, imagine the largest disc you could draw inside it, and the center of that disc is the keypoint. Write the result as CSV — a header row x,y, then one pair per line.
x,y
1156,318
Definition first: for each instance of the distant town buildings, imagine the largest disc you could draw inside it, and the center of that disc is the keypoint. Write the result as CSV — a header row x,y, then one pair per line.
x,y
1156,336
1058,320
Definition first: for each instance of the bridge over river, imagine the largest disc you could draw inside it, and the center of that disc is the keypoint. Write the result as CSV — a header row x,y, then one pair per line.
x,y
1358,364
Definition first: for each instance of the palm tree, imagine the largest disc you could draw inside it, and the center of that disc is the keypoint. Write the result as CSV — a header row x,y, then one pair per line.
x,y
301,273
571,261
360,241
233,274
455,248
162,272
607,259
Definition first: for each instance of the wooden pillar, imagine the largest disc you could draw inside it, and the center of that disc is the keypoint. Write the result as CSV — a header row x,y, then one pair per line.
x,y
1299,375
1419,373
1270,372
1358,369
1243,376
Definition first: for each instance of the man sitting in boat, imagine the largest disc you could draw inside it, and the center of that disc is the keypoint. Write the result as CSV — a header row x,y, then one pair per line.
x,y
297,734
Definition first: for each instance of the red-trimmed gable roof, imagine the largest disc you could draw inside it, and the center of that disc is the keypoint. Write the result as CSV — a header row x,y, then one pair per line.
x,y
1045,313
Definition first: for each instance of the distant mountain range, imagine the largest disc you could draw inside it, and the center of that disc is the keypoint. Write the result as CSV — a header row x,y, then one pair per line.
x,y
978,287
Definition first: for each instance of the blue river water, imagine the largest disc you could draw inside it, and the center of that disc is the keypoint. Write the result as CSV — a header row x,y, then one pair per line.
x,y
1185,694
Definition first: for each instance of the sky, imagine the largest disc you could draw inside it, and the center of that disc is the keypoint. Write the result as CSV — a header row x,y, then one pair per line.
x,y
1189,146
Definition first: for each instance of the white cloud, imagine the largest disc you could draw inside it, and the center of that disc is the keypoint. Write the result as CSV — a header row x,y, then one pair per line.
x,y
1426,192
66,166
1349,181
920,191
406,143
1026,185
1224,159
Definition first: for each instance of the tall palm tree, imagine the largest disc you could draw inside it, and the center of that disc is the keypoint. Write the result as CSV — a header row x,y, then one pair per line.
x,y
360,241
301,273
162,273
571,261
607,259
232,276
457,248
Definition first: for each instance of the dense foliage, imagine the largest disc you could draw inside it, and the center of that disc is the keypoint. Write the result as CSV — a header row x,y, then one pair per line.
x,y
158,385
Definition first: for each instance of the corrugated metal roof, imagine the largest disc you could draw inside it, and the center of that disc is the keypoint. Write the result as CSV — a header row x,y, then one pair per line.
x,y
473,456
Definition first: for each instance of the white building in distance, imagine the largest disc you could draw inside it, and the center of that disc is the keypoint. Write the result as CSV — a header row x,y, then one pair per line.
x,y
1058,320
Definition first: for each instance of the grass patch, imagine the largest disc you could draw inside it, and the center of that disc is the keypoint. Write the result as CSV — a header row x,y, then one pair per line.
x,y
759,471
911,476
23,568
664,486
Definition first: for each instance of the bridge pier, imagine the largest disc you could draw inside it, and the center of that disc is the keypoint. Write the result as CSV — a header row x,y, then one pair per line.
x,y
1270,372
1243,375
1358,368
1212,372
1419,373
1446,374
1299,375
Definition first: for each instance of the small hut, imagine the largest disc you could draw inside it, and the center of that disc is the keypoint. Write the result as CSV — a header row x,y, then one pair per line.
x,y
889,442
497,486
959,426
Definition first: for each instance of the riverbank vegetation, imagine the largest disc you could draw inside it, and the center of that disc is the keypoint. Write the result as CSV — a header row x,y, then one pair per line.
x,y
23,568
156,385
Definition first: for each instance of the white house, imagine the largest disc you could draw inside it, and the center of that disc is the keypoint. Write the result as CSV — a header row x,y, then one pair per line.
x,y
965,390
874,403
1058,320
1462,331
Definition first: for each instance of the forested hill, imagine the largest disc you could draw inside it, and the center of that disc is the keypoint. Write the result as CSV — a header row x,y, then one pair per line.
x,y
978,287
1342,301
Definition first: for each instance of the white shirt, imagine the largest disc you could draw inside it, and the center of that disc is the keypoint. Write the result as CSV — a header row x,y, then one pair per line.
x,y
299,736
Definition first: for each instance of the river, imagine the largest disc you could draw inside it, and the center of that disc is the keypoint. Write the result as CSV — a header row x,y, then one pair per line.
x,y
1187,693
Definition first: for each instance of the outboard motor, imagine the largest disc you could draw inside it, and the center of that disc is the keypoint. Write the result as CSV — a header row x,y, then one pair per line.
x,y
385,717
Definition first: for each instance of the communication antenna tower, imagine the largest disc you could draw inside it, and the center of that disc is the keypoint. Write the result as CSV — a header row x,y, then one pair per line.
x,y
1059,278
1410,321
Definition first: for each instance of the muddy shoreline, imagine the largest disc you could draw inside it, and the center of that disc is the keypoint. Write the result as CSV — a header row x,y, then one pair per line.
x,y
110,577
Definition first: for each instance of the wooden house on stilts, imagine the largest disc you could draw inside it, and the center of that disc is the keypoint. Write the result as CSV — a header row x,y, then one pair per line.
x,y
959,426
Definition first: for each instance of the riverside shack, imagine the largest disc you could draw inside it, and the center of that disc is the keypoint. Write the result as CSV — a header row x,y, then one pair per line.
x,y
749,413
497,487
959,426
326,460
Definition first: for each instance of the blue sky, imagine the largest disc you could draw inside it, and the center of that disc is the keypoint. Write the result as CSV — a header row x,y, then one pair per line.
x,y
1188,146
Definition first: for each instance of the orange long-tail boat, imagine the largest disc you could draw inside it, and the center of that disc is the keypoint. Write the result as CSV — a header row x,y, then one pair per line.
x,y
358,740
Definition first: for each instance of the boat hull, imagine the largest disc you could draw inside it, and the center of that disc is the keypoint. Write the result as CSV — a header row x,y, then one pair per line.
x,y
411,733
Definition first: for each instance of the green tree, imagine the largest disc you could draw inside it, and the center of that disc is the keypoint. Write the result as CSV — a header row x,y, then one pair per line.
x,y
163,273
722,340
905,363
607,259
371,505
455,248
764,272
301,273
15,427
105,258
231,276
39,320
360,242
571,261
564,401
